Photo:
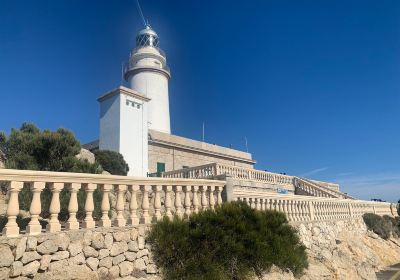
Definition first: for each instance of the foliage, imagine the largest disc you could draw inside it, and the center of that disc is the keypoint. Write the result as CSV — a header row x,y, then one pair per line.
x,y
232,242
380,225
112,162
398,207
33,149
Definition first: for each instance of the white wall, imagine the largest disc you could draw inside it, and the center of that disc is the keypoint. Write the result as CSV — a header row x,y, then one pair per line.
x,y
155,86
110,123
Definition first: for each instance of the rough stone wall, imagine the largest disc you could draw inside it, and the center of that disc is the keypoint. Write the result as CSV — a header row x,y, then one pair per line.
x,y
84,254
343,250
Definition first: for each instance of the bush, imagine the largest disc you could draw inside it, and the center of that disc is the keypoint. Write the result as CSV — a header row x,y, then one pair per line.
x,y
231,242
381,226
112,162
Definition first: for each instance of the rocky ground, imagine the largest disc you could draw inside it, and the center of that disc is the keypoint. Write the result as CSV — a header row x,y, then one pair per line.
x,y
343,250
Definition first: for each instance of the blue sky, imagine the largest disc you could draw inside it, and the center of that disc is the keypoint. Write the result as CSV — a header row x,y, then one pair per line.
x,y
313,85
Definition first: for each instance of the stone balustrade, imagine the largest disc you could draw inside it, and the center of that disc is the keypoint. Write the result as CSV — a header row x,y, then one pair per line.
x,y
300,208
158,197
216,169
311,188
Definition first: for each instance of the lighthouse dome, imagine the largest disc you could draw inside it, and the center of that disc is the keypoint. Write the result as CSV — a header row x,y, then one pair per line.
x,y
147,37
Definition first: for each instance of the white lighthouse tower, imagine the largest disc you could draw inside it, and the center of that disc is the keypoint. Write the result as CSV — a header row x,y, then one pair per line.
x,y
147,73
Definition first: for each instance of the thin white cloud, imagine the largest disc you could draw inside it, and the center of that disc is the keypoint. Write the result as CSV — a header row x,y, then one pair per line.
x,y
314,171
384,186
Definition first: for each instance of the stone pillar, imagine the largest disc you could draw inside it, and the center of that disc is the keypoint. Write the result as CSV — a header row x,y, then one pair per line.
x,y
168,202
157,203
11,229
195,199
178,203
73,207
133,206
145,219
34,227
188,190
88,222
54,225
212,199
105,206
204,202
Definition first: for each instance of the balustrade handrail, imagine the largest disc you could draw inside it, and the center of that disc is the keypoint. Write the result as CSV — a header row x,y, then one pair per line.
x,y
180,198
323,189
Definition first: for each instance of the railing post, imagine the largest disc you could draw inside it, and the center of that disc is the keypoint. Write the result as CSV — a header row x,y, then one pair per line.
x,y
11,229
188,190
145,219
195,199
211,197
89,207
54,224
34,227
120,206
157,202
204,203
168,203
73,207
105,206
219,196
133,206
178,202
311,209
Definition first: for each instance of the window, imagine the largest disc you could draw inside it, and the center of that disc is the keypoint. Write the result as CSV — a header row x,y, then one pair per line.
x,y
160,167
185,166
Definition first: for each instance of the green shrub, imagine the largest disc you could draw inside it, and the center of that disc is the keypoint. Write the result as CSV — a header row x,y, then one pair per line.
x,y
232,242
112,162
381,226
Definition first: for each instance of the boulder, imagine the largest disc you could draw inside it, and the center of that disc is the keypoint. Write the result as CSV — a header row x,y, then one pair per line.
x,y
30,269
21,247
118,248
125,268
79,272
92,263
86,155
48,247
7,257
28,257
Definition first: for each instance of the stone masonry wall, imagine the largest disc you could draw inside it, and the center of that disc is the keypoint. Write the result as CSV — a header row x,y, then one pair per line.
x,y
102,253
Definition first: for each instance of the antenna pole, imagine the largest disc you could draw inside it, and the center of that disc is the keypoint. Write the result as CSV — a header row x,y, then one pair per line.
x,y
141,13
203,132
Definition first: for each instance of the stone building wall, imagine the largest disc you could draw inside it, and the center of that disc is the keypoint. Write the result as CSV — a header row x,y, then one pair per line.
x,y
84,254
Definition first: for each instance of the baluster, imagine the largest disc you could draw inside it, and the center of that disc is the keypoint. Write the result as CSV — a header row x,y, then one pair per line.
x,y
204,202
212,199
120,206
168,202
289,210
105,206
34,227
188,190
252,204
178,203
54,225
157,203
256,203
88,222
73,223
262,204
195,199
295,211
133,206
145,219
11,229
219,195
284,208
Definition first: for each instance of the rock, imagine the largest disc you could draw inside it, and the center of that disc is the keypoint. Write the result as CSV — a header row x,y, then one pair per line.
x,y
142,253
134,234
63,241
141,242
45,261
151,269
21,247
103,253
98,240
16,269
118,248
48,247
316,231
121,236
7,257
30,269
75,248
77,260
104,172
92,263
87,237
27,257
54,266
130,256
133,246
106,262
86,155
103,273
76,272
108,241
118,259
60,255
4,273
90,252
113,272
125,268
140,264
31,243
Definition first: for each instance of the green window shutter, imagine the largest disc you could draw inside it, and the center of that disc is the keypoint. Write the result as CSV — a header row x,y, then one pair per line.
x,y
160,167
